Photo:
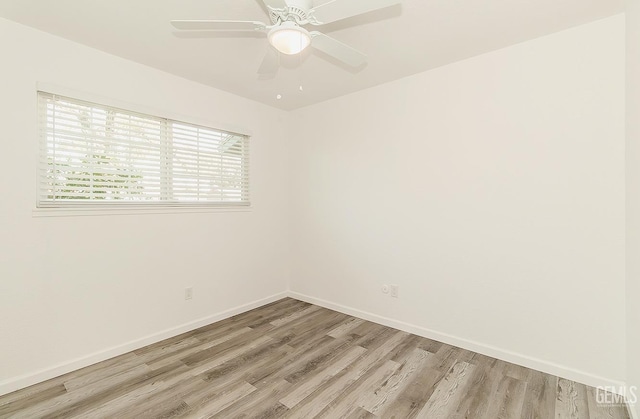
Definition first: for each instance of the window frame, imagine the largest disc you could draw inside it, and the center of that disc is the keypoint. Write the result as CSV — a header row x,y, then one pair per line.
x,y
98,207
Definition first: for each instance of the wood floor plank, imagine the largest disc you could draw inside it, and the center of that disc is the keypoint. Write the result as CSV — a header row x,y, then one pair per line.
x,y
413,397
445,358
207,403
320,328
81,395
571,401
262,403
119,370
359,413
361,391
430,345
156,380
345,327
212,359
482,390
540,396
307,387
406,349
119,397
301,325
45,386
247,373
292,359
295,316
222,347
167,402
516,371
366,328
444,401
32,399
246,357
382,395
162,350
507,401
334,387
171,358
263,323
375,338
316,359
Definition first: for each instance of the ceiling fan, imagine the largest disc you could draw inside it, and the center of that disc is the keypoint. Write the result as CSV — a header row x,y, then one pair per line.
x,y
286,33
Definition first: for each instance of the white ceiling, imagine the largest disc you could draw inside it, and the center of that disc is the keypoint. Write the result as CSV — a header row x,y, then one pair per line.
x,y
401,40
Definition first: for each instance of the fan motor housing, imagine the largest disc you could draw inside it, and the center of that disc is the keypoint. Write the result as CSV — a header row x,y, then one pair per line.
x,y
296,11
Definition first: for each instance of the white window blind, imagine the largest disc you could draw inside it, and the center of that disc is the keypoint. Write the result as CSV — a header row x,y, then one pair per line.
x,y
93,155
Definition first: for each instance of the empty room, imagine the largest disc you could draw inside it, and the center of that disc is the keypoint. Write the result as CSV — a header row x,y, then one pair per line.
x,y
320,208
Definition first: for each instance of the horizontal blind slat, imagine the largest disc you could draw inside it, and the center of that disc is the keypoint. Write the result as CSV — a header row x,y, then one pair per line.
x,y
93,153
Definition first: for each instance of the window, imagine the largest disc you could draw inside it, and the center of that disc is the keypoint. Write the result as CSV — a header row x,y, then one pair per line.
x,y
95,155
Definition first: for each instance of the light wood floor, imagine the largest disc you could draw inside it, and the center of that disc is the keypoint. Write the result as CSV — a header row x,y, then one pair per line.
x,y
295,360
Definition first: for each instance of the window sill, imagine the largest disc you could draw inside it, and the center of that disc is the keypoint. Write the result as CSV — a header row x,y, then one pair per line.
x,y
83,212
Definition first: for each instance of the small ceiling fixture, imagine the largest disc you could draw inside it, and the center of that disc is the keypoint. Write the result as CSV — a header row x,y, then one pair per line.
x,y
289,38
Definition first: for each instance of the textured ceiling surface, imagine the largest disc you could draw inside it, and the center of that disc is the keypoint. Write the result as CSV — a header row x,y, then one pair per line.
x,y
401,40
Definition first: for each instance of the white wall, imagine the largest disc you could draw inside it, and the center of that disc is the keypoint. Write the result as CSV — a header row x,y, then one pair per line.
x,y
72,287
633,196
491,190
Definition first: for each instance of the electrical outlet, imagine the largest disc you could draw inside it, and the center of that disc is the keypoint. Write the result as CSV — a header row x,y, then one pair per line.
x,y
394,290
385,289
188,293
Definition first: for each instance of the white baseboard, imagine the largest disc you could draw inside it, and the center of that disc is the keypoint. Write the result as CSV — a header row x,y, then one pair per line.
x,y
16,383
488,350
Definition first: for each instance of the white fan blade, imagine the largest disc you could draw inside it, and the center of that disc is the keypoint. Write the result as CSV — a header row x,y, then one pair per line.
x,y
270,63
342,9
218,25
337,49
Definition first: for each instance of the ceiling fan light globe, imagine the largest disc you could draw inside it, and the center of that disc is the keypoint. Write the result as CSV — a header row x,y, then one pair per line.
x,y
289,40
